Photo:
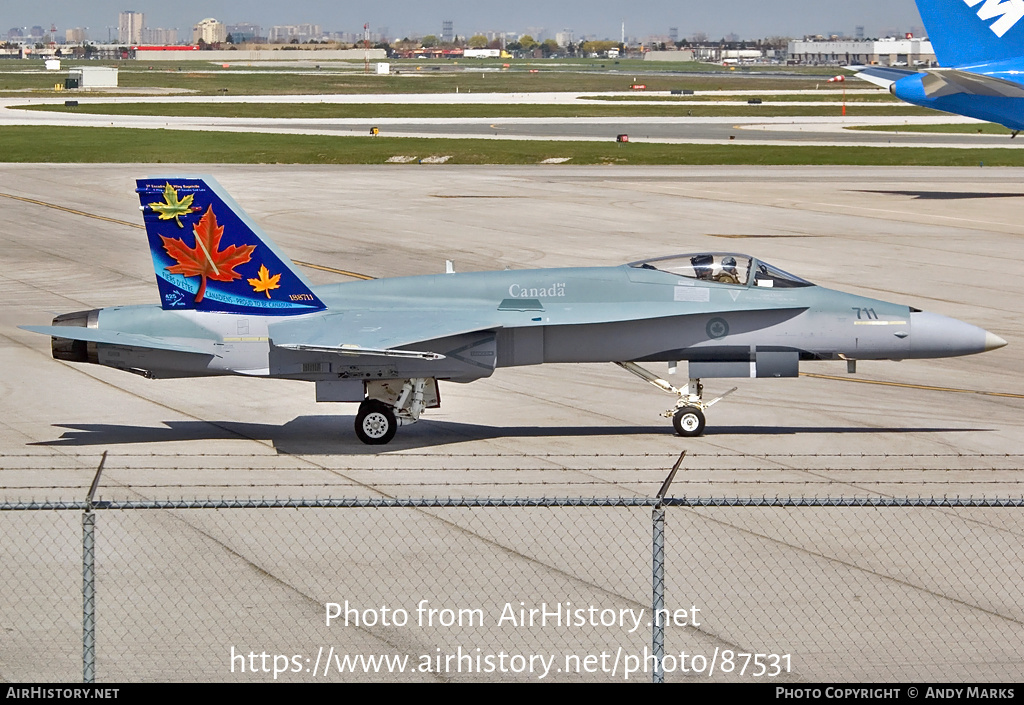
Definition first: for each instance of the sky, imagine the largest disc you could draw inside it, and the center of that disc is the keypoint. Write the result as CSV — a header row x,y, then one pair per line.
x,y
747,18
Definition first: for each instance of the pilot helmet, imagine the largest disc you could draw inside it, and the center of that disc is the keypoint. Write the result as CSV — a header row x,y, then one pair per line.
x,y
729,263
702,261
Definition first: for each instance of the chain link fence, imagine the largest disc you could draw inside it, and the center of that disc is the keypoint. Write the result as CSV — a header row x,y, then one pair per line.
x,y
751,590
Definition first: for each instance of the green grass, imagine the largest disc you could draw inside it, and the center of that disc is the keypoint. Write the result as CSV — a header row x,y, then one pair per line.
x,y
433,76
113,145
372,111
988,128
836,97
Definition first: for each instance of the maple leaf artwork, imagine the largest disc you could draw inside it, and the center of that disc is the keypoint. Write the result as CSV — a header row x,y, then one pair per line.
x,y
264,282
206,259
172,208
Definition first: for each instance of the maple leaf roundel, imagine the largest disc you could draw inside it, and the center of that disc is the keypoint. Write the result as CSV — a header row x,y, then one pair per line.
x,y
206,259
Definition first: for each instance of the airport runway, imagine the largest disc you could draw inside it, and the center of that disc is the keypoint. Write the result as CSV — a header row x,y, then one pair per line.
x,y
810,131
860,595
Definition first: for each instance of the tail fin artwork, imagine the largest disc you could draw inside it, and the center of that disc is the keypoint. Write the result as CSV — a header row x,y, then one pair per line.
x,y
210,256
964,32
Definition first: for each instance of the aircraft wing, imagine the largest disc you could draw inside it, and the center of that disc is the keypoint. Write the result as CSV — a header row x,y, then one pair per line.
x,y
377,333
113,337
880,75
940,82
380,332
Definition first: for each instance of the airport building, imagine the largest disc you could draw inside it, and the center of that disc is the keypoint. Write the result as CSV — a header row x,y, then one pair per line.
x,y
672,55
871,52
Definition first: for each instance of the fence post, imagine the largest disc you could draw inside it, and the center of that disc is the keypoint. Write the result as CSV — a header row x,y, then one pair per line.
x,y
658,577
89,581
658,601
88,596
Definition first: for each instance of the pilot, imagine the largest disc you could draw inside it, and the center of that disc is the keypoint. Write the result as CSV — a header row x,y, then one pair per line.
x,y
728,275
702,266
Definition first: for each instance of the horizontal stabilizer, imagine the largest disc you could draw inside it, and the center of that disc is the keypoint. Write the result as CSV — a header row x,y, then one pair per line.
x,y
881,75
940,82
112,337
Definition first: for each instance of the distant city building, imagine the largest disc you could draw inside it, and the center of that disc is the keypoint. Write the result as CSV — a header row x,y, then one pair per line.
x,y
538,33
77,35
158,36
673,34
300,33
129,27
563,38
209,31
244,32
447,32
881,52
36,32
858,32
15,33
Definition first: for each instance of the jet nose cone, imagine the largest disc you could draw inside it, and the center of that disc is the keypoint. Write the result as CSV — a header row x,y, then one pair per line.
x,y
932,335
993,341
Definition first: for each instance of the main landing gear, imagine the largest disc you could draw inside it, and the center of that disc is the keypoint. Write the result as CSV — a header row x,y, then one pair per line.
x,y
376,422
688,413
378,419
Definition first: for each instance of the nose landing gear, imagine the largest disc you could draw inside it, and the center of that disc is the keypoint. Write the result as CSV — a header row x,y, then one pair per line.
x,y
688,414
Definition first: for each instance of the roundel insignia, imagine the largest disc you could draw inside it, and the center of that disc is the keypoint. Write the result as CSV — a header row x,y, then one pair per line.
x,y
717,328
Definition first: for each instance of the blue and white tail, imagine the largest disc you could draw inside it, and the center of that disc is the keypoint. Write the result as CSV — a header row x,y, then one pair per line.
x,y
210,256
965,32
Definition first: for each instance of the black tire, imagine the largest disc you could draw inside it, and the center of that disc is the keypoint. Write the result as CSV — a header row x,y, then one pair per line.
x,y
688,421
375,423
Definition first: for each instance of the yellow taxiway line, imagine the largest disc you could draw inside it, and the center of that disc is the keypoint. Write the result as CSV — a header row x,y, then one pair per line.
x,y
914,386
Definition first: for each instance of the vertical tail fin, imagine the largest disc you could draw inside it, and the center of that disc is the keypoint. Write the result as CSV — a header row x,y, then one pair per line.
x,y
210,256
965,32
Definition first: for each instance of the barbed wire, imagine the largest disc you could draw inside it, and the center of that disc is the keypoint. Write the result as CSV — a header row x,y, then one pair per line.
x,y
515,483
405,454
513,502
550,469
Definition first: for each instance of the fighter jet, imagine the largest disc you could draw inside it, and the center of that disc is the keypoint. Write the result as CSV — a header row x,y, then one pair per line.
x,y
980,45
232,304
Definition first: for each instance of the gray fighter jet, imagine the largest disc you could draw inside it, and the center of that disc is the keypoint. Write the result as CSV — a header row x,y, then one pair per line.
x,y
232,304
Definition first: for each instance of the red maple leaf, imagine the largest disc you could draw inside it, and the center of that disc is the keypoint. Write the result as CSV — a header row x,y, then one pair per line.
x,y
206,259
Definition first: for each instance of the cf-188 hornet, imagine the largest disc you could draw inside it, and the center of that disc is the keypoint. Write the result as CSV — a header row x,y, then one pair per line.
x,y
232,304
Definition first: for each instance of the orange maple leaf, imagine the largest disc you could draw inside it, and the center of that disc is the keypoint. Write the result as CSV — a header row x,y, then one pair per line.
x,y
264,282
206,259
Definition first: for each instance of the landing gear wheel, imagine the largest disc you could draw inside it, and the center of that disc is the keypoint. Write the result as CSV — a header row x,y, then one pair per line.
x,y
688,421
375,423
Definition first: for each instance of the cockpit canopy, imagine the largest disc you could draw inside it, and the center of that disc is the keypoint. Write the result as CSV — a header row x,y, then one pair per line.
x,y
724,268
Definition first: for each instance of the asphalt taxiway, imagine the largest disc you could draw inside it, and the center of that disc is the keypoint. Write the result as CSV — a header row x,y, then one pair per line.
x,y
745,129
